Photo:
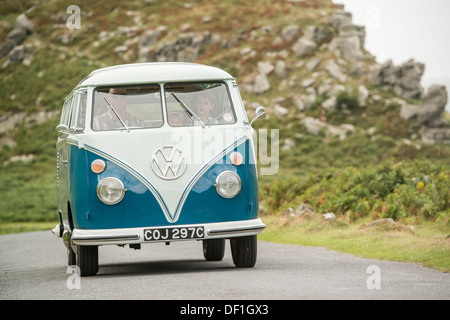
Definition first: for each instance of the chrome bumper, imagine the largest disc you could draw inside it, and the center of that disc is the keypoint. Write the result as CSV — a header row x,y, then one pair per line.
x,y
136,235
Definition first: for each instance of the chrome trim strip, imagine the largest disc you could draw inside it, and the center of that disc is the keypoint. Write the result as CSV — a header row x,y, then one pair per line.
x,y
103,238
235,230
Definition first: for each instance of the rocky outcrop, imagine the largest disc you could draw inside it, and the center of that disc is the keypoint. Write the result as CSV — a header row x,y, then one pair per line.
x,y
404,80
350,40
315,126
429,116
22,28
186,47
12,47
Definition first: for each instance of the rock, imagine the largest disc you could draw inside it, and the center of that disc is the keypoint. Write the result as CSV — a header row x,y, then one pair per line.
x,y
288,144
411,74
280,111
330,104
261,84
382,222
290,32
433,105
348,47
334,70
147,41
313,126
308,83
304,209
303,46
280,68
265,67
22,158
431,110
311,65
288,212
22,27
262,211
23,23
363,94
19,53
186,47
329,216
340,18
435,135
403,80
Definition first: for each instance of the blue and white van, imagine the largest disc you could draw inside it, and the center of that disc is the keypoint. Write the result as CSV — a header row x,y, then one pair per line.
x,y
157,152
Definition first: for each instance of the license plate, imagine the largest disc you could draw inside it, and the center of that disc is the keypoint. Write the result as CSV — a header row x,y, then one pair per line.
x,y
165,234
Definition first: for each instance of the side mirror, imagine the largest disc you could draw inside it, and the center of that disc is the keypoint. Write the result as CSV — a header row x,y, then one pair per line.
x,y
260,113
61,129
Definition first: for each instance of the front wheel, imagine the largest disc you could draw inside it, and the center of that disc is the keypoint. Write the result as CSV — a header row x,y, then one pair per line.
x,y
214,249
87,260
243,251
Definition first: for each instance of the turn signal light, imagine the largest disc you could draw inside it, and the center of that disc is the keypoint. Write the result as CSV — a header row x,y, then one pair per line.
x,y
98,166
236,158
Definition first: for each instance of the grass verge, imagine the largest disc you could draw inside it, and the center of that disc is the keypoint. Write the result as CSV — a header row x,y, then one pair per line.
x,y
426,243
17,227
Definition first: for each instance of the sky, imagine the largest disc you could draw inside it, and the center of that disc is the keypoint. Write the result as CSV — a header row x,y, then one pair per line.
x,y
405,29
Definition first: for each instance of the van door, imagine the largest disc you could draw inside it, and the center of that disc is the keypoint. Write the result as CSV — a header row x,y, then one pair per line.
x,y
61,162
73,117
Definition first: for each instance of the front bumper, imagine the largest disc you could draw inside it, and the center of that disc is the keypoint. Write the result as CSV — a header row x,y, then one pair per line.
x,y
136,235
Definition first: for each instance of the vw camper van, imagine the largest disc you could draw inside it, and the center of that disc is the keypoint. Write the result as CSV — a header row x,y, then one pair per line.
x,y
157,152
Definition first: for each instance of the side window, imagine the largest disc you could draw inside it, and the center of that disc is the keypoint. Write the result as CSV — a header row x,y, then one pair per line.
x,y
78,111
65,115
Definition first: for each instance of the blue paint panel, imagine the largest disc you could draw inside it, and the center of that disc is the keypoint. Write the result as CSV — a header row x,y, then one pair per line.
x,y
204,204
78,186
139,208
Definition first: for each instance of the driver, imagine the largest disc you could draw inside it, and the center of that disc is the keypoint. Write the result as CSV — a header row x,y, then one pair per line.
x,y
116,115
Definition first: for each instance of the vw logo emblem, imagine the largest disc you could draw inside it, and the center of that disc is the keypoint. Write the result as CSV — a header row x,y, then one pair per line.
x,y
168,163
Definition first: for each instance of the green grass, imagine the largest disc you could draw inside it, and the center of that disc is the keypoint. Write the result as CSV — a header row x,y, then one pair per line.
x,y
18,227
425,243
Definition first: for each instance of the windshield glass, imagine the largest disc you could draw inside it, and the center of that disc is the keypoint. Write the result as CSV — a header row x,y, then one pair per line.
x,y
192,104
131,107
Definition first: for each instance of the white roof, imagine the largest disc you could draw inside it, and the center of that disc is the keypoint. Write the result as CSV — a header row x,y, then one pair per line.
x,y
154,72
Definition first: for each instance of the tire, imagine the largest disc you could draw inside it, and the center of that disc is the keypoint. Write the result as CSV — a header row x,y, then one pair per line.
x,y
214,249
87,260
244,251
71,255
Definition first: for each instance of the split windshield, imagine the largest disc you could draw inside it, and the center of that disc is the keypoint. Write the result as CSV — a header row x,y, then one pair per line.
x,y
138,107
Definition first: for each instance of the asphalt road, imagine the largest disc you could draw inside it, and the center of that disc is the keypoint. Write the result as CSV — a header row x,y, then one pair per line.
x,y
33,266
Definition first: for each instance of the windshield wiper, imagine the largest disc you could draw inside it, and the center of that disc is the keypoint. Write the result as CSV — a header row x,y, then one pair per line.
x,y
117,115
190,112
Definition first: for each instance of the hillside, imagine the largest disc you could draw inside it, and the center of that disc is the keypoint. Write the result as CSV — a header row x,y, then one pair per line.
x,y
305,61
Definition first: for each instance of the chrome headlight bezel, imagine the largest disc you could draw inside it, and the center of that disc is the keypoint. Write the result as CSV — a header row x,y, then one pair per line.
x,y
220,184
119,186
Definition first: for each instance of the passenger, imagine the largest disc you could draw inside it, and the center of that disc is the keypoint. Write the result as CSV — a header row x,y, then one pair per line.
x,y
176,119
204,105
112,119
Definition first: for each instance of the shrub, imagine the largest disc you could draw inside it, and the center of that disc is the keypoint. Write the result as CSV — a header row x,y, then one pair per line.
x,y
391,190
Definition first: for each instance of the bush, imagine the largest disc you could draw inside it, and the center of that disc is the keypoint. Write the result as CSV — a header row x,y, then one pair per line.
x,y
389,190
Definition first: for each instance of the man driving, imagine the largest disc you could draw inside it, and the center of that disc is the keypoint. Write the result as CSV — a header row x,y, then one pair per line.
x,y
116,116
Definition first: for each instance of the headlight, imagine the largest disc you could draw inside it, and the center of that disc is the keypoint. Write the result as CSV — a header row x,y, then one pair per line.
x,y
110,191
228,184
